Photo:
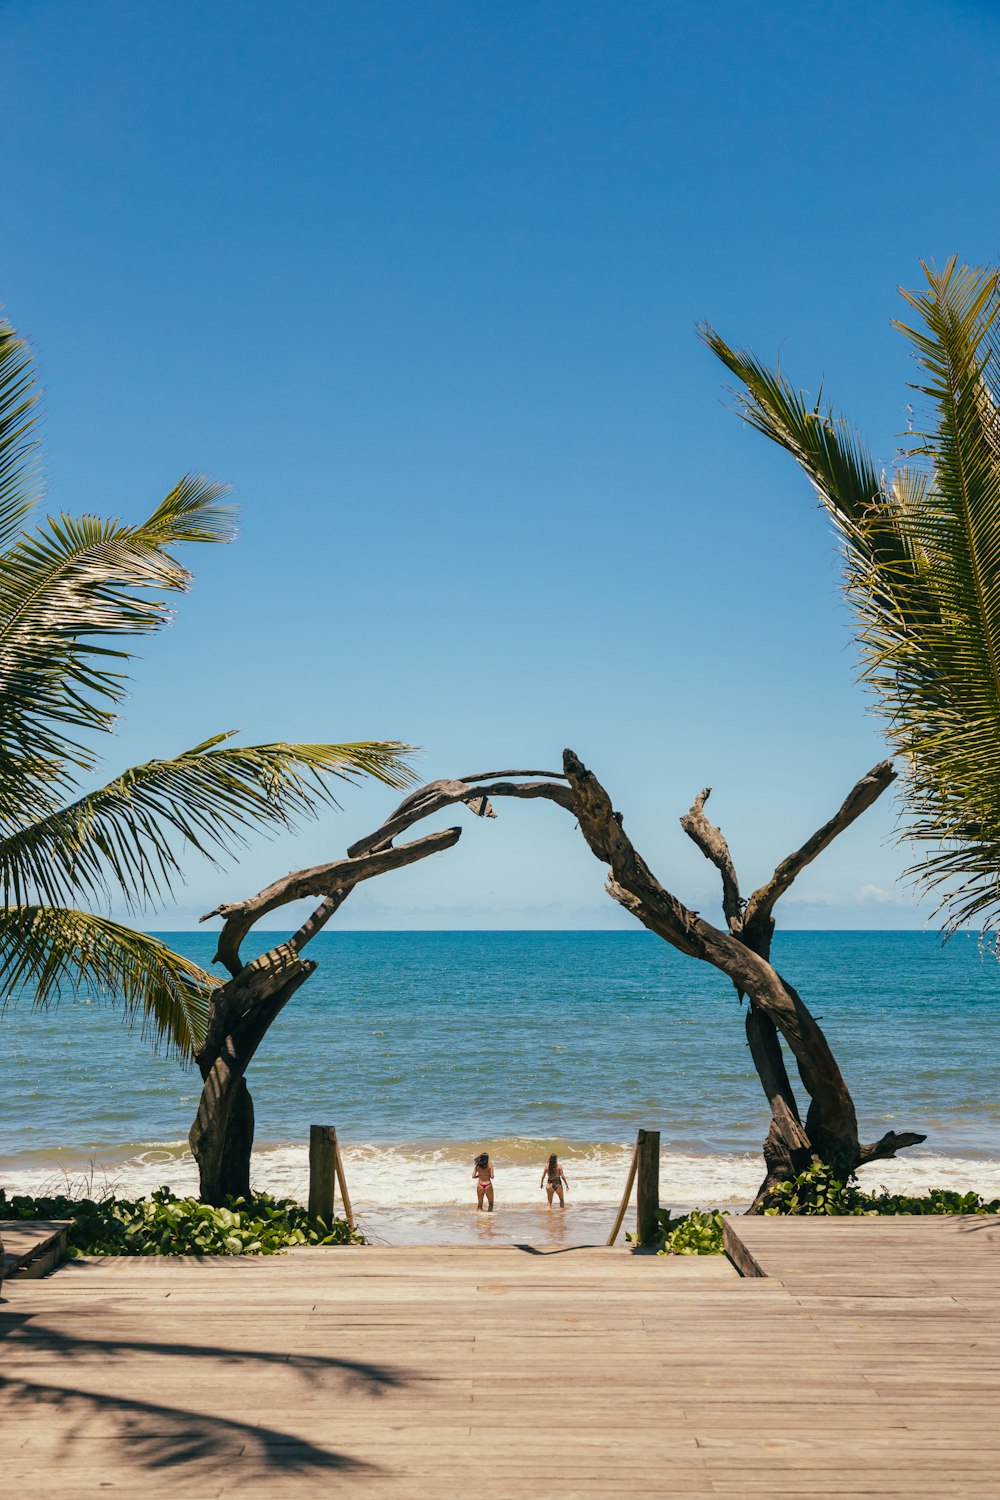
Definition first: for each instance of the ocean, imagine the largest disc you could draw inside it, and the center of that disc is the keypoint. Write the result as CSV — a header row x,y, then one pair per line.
x,y
424,1048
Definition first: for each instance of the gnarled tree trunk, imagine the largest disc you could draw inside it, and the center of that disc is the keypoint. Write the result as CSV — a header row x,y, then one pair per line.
x,y
830,1128
242,1010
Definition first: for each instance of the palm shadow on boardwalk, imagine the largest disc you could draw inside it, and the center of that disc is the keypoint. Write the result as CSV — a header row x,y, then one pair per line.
x,y
160,1436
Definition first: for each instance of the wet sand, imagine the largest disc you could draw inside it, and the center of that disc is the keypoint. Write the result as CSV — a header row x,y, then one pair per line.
x,y
516,1224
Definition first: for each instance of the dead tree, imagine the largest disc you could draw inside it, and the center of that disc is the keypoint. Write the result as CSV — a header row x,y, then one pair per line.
x,y
245,1007
830,1128
242,1010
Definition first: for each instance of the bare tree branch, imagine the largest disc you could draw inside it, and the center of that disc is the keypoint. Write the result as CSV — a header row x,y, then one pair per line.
x,y
437,795
889,1145
373,855
712,843
342,875
498,775
633,882
757,919
244,1007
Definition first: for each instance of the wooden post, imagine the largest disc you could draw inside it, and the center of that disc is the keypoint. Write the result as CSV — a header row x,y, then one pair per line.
x,y
348,1210
322,1171
647,1196
623,1206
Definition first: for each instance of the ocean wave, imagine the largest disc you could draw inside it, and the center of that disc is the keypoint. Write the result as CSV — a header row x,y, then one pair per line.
x,y
427,1174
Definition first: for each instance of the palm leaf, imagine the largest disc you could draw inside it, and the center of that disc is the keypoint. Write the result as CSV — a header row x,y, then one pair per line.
x,y
129,835
835,458
71,592
18,446
66,588
923,572
45,950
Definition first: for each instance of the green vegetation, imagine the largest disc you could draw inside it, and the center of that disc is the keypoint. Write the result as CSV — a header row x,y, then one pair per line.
x,y
819,1191
70,591
815,1191
696,1233
163,1224
922,549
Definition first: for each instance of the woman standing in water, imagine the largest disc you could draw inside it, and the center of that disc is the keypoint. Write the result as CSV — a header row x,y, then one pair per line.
x,y
554,1180
482,1171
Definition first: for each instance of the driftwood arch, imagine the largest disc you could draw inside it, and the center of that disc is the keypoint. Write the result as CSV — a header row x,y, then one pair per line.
x,y
247,1004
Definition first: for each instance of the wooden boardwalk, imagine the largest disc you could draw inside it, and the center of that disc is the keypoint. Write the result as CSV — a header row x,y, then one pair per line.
x,y
866,1362
32,1249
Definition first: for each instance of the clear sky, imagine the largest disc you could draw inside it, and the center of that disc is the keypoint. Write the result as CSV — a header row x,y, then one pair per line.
x,y
420,281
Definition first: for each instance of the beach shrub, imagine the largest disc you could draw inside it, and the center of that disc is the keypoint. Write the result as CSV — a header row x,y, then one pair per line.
x,y
696,1233
818,1190
936,1201
164,1224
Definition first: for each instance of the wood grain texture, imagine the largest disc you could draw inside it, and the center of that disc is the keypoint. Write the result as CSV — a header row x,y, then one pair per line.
x,y
866,1361
31,1246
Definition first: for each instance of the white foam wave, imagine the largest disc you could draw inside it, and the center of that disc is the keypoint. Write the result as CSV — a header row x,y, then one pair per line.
x,y
435,1175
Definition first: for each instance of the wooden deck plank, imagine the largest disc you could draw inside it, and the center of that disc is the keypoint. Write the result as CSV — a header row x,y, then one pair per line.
x,y
32,1247
869,1366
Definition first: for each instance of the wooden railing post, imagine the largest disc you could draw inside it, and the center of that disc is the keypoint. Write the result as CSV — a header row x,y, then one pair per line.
x,y
647,1195
623,1206
322,1171
348,1210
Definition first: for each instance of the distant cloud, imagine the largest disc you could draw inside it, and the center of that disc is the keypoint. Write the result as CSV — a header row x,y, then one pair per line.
x,y
810,898
874,895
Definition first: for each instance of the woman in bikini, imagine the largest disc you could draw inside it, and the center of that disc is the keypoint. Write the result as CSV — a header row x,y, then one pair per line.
x,y
482,1171
554,1180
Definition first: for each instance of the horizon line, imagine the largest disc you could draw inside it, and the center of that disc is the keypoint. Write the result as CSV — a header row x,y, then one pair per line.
x,y
567,931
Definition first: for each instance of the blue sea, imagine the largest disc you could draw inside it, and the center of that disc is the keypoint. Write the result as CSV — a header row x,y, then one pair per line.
x,y
425,1047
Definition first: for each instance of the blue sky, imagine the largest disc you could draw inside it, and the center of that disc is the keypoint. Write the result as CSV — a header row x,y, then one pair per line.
x,y
420,281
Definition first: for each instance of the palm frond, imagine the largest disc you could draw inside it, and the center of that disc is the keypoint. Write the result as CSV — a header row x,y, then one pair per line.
x,y
836,459
67,588
18,445
923,573
71,592
130,834
47,950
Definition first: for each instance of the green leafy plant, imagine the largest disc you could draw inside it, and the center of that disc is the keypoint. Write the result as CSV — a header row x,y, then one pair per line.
x,y
818,1190
937,1201
696,1233
164,1224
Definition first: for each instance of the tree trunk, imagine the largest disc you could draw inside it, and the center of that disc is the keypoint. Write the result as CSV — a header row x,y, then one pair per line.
x,y
234,1174
242,1009
787,1149
776,1010
221,1137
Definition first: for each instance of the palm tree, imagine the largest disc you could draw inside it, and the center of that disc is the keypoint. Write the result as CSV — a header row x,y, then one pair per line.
x,y
71,591
922,550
